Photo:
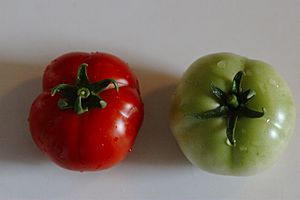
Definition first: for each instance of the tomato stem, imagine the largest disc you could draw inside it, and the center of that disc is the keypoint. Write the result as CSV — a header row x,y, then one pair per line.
x,y
83,95
232,101
232,106
83,92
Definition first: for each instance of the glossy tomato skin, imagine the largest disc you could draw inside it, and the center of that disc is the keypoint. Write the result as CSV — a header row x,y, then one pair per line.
x,y
99,138
259,141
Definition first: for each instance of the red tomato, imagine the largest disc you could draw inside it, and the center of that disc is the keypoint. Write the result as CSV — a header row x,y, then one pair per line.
x,y
89,112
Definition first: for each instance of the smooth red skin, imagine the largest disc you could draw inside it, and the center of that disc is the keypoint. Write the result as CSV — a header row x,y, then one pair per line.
x,y
99,138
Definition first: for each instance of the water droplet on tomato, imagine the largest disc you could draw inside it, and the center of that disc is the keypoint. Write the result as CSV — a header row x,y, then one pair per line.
x,y
102,145
222,64
274,83
130,150
243,148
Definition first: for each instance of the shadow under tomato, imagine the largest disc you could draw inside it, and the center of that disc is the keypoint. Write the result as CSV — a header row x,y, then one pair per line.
x,y
155,144
20,84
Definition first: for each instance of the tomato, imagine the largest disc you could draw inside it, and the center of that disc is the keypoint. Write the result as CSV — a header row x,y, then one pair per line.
x,y
89,113
231,115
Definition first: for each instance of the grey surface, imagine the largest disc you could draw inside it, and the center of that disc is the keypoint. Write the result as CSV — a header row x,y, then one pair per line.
x,y
159,39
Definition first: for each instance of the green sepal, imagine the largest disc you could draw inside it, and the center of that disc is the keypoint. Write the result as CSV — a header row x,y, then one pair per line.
x,y
236,83
230,129
101,85
82,77
64,104
83,95
218,92
232,106
247,112
94,101
214,113
66,90
79,108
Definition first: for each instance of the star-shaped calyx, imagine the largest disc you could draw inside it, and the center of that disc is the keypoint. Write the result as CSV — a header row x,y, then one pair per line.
x,y
83,95
232,106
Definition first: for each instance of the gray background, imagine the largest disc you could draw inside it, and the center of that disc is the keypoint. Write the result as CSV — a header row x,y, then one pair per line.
x,y
159,39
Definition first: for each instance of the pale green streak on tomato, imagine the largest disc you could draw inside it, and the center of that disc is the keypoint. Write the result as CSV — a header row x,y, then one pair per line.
x,y
259,141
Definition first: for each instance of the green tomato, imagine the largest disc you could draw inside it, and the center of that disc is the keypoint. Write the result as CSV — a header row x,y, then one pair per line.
x,y
231,115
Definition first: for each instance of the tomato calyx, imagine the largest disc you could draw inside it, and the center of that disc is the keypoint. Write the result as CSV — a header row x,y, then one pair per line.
x,y
232,106
84,95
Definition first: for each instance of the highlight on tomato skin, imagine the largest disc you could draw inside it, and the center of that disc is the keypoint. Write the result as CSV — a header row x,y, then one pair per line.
x,y
232,115
89,112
